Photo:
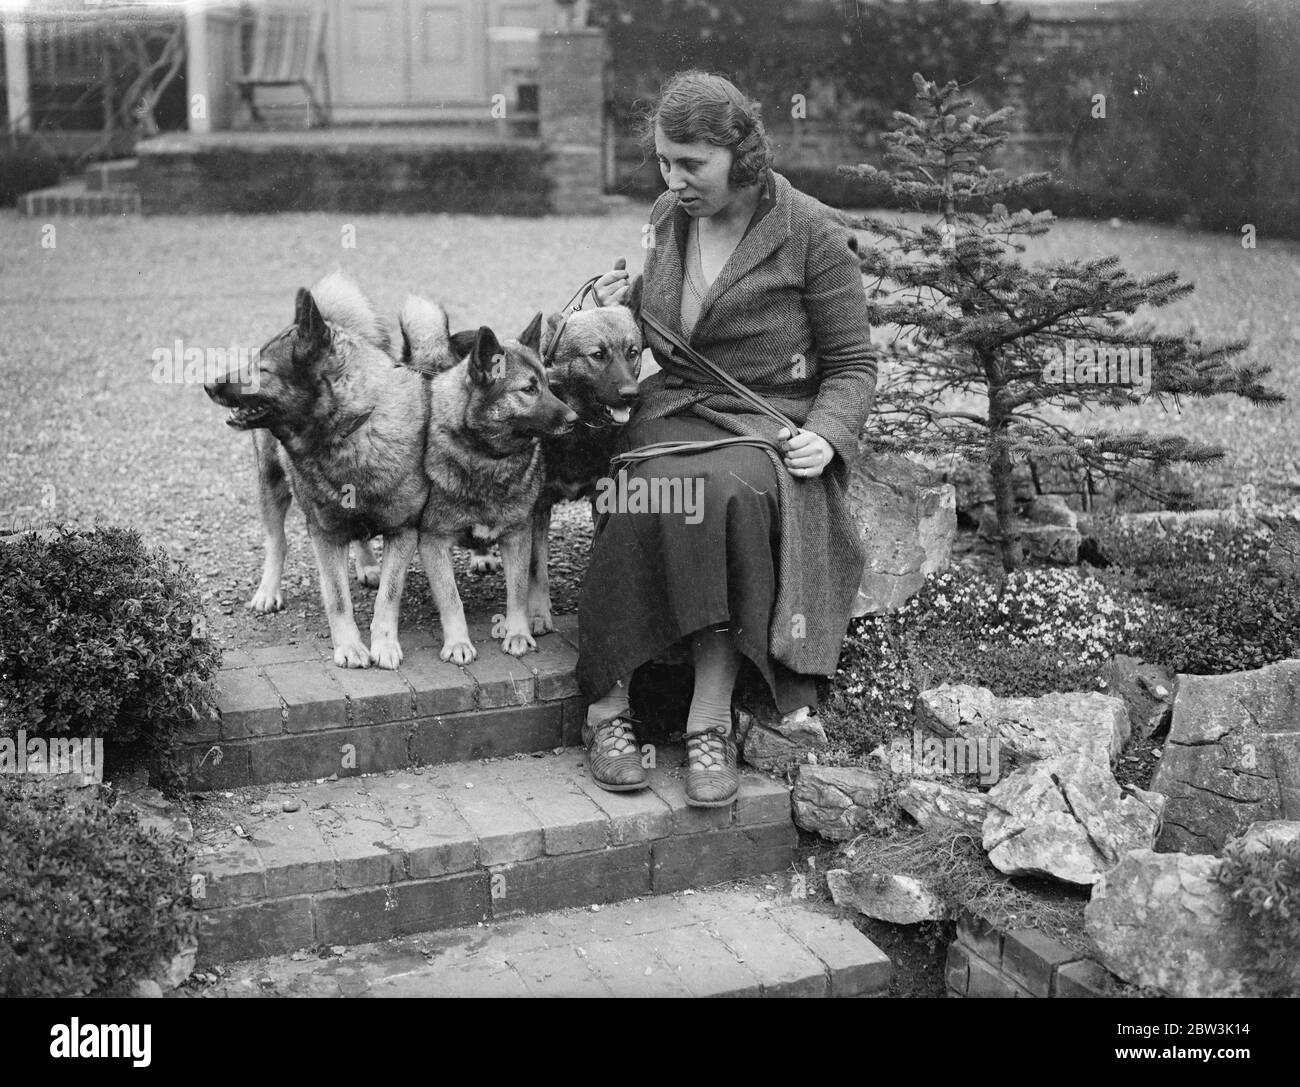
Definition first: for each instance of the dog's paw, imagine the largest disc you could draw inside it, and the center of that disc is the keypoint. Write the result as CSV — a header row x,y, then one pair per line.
x,y
458,652
352,655
368,576
385,653
266,601
480,562
541,622
518,643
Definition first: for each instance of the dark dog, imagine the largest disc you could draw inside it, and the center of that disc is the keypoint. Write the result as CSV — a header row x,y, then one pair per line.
x,y
483,461
593,367
351,424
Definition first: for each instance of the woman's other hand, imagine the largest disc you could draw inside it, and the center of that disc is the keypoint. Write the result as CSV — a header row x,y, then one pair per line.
x,y
612,287
806,454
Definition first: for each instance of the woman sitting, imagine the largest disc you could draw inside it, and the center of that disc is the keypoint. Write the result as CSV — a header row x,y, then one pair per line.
x,y
759,278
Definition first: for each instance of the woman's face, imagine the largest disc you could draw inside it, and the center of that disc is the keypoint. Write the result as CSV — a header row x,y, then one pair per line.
x,y
696,172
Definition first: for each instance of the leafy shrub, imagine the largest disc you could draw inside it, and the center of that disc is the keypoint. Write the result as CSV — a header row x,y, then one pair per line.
x,y
1263,885
89,902
1009,671
1138,546
23,170
102,637
1229,613
1229,620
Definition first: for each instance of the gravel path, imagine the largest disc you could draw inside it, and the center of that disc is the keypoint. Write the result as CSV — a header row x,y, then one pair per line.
x,y
82,423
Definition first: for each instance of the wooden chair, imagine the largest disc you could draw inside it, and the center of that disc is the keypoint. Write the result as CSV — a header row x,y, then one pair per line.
x,y
288,51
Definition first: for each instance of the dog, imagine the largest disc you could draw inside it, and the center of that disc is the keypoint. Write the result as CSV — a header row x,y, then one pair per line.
x,y
593,362
488,416
336,416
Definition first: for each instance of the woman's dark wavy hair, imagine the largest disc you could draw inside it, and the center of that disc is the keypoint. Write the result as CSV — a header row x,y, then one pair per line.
x,y
699,106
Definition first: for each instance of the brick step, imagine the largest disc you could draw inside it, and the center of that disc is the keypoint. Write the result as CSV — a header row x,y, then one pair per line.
x,y
74,198
366,859
288,713
100,176
738,941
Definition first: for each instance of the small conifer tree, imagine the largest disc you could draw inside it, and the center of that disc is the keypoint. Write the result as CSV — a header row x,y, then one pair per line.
x,y
982,328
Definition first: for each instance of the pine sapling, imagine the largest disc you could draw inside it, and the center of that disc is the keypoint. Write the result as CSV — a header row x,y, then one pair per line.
x,y
976,326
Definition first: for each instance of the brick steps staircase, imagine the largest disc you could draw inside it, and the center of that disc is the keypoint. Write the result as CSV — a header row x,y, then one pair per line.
x,y
105,188
436,796
369,858
289,714
735,941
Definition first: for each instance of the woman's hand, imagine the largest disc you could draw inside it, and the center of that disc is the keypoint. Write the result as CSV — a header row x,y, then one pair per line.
x,y
612,287
807,454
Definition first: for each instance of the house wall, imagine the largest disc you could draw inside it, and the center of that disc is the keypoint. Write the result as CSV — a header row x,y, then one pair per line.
x,y
425,60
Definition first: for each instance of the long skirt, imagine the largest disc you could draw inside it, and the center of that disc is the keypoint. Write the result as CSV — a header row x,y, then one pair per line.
x,y
709,560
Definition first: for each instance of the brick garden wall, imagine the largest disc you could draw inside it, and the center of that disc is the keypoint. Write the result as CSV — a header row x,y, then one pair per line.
x,y
986,962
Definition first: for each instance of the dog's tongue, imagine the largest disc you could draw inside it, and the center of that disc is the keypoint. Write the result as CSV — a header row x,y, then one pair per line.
x,y
620,415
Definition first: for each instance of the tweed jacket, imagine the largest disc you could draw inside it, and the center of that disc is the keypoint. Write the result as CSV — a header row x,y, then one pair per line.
x,y
787,315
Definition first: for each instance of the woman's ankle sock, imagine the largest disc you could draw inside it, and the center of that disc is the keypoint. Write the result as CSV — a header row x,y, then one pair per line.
x,y
717,663
614,704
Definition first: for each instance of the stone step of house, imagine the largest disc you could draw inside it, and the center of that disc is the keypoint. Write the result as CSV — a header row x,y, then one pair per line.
x,y
363,859
75,198
115,174
742,940
288,713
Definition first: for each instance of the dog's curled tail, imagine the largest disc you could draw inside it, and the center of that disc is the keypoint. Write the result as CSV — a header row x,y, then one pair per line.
x,y
426,336
343,303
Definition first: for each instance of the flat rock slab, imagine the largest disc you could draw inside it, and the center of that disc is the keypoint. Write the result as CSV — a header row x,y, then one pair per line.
x,y
1232,758
770,740
735,941
1163,921
886,896
837,802
1067,818
1146,689
907,517
1027,729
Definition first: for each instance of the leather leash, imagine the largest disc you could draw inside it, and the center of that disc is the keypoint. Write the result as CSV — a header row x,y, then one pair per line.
x,y
707,368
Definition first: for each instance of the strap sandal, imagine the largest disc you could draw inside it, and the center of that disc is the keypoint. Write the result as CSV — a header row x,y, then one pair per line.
x,y
712,779
613,754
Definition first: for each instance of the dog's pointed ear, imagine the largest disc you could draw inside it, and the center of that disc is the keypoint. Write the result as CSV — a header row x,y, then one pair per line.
x,y
313,333
532,335
462,343
633,300
487,362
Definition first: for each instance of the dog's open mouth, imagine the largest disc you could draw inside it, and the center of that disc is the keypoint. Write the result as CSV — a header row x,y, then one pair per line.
x,y
245,418
618,416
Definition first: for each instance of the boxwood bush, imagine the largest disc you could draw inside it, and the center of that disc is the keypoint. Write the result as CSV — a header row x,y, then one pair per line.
x,y
90,903
102,637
